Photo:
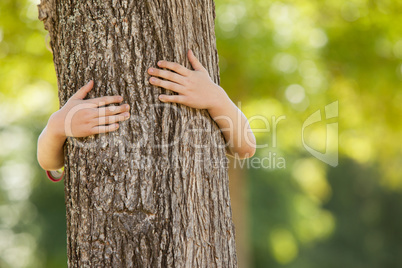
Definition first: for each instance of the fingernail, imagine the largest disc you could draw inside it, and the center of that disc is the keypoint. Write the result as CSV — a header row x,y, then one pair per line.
x,y
120,98
126,106
151,70
126,115
160,97
159,62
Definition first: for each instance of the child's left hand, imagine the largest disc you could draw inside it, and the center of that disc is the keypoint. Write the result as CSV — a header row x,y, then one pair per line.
x,y
195,88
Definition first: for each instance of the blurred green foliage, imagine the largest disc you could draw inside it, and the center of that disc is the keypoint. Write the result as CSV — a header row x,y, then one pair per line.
x,y
32,213
279,58
292,58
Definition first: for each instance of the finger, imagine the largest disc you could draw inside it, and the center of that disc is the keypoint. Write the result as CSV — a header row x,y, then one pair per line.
x,y
112,110
172,98
105,120
195,62
167,75
167,84
174,67
101,101
82,92
104,129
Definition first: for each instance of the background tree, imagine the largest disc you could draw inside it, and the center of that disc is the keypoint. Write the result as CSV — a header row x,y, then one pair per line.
x,y
150,194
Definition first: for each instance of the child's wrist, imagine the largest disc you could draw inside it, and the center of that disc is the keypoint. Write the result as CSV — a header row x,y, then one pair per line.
x,y
219,102
54,135
54,130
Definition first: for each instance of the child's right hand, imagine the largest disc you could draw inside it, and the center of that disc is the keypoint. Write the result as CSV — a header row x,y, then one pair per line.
x,y
81,118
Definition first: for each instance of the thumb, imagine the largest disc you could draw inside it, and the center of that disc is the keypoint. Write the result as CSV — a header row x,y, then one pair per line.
x,y
194,61
82,92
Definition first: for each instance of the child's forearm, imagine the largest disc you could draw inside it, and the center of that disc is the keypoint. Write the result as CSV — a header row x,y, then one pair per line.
x,y
234,126
50,150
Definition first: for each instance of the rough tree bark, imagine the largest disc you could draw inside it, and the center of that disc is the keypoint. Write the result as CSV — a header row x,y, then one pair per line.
x,y
154,193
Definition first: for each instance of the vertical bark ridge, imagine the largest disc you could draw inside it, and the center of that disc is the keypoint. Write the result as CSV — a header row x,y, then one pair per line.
x,y
154,193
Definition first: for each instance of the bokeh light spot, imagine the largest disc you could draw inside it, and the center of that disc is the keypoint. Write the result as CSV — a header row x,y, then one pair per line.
x,y
295,93
283,245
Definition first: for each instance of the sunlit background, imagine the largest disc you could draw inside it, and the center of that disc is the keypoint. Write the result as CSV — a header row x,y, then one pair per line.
x,y
279,60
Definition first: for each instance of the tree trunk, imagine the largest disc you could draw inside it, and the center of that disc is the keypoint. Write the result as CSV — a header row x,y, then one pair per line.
x,y
154,193
239,193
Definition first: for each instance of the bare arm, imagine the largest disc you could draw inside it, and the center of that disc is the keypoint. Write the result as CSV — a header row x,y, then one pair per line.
x,y
78,118
50,152
235,128
196,89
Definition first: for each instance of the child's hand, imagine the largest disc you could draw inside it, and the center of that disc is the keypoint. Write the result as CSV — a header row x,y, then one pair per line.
x,y
81,118
195,88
